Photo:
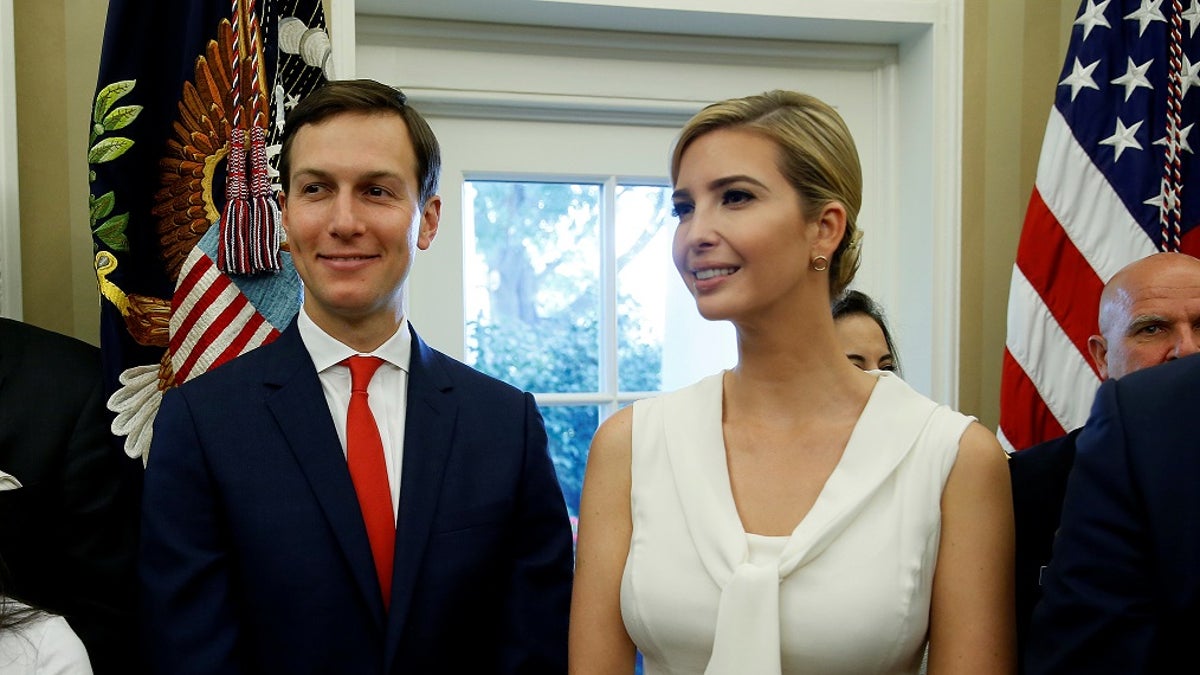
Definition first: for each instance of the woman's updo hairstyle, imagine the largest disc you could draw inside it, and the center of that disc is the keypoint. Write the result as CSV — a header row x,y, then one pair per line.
x,y
816,154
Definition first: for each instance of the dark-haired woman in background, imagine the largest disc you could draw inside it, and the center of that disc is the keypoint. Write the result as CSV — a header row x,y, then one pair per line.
x,y
864,333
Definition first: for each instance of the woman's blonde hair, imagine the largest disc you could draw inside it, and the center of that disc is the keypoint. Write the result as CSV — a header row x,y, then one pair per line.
x,y
816,154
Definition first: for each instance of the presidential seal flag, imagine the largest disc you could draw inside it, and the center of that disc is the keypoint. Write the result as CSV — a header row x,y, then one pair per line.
x,y
189,110
1117,180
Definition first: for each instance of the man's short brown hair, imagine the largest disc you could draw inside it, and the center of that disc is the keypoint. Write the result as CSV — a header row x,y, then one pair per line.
x,y
365,97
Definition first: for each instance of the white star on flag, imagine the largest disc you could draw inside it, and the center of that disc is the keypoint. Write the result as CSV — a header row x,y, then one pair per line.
x,y
1134,77
1192,16
1161,199
1093,16
1188,75
1122,138
1183,140
1149,11
1080,78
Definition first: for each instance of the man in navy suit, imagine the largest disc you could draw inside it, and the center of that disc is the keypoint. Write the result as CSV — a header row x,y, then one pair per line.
x,y
1122,594
255,556
1149,312
68,533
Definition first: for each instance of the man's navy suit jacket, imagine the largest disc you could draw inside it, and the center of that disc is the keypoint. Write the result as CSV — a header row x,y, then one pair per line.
x,y
255,558
68,536
1039,485
1122,593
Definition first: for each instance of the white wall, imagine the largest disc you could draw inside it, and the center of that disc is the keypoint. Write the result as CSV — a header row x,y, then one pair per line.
x,y
895,77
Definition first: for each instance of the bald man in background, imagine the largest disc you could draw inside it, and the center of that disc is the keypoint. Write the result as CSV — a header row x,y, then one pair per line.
x,y
1149,314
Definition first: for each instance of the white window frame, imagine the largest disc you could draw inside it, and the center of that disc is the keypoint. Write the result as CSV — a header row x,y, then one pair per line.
x,y
925,36
10,212
608,396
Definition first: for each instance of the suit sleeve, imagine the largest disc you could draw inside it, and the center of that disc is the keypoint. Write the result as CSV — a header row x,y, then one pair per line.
x,y
188,616
1096,612
539,596
100,539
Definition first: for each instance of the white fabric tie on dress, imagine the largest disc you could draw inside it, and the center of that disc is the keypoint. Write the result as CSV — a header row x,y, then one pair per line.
x,y
747,638
749,611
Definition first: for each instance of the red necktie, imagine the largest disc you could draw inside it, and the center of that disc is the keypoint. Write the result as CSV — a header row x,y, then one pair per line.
x,y
368,471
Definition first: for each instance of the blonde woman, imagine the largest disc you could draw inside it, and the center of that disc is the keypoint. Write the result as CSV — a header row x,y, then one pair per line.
x,y
794,513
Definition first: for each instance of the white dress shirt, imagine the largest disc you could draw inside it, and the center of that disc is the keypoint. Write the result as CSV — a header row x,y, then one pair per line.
x,y
387,393
45,645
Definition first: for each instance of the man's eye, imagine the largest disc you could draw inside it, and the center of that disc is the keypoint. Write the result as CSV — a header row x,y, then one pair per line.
x,y
376,191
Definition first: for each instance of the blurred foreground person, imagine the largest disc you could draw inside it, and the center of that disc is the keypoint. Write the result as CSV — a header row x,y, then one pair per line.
x,y
68,510
1122,593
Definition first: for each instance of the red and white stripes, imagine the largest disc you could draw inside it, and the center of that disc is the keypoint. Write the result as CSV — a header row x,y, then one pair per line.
x,y
1077,234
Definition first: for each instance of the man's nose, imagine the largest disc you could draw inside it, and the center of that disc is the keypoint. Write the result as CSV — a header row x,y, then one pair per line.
x,y
342,219
1188,344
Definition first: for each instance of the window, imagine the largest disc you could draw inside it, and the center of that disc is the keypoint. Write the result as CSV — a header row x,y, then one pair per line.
x,y
568,296
559,101
541,105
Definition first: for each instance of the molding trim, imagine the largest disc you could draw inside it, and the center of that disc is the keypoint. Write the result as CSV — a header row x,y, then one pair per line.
x,y
507,38
947,105
432,34
342,28
10,213
551,108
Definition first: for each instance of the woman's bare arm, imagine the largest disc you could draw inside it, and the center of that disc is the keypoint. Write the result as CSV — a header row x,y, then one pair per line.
x,y
598,641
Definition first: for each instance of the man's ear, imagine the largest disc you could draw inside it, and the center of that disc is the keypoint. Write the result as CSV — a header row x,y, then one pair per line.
x,y
283,217
431,217
1098,347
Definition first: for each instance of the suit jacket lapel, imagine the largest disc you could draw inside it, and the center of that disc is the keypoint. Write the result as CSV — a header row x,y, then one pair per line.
x,y
10,354
428,434
299,406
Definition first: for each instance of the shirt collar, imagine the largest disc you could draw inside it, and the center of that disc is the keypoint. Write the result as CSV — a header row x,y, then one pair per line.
x,y
327,351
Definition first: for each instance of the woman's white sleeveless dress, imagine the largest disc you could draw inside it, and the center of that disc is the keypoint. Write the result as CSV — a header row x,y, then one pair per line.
x,y
847,592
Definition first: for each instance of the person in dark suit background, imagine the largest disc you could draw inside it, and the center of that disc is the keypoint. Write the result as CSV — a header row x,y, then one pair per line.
x,y
68,522
1122,593
1149,313
255,555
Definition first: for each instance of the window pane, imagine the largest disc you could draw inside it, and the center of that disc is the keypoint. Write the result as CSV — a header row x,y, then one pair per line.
x,y
533,302
644,268
569,430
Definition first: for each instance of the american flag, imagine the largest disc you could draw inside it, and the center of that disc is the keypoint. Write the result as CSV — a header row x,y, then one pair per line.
x,y
189,92
1116,181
